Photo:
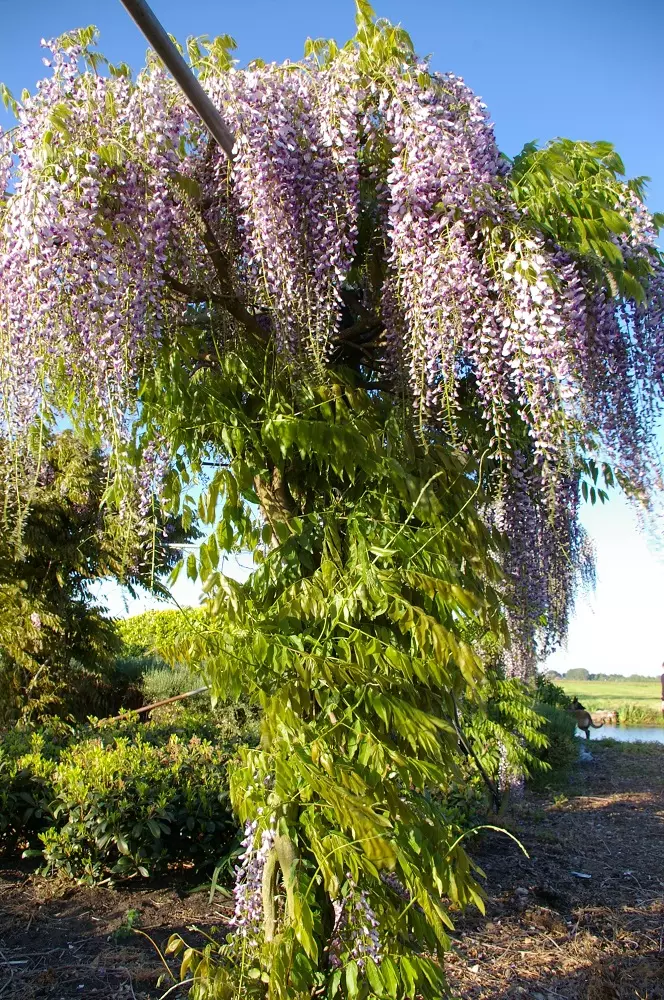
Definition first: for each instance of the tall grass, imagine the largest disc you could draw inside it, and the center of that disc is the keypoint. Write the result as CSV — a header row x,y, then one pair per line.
x,y
640,715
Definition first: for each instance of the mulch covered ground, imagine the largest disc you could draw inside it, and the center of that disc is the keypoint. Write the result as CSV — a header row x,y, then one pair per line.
x,y
549,932
59,941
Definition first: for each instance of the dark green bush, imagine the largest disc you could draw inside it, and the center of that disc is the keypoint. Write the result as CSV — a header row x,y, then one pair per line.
x,y
122,799
133,806
549,693
99,694
560,727
27,763
133,667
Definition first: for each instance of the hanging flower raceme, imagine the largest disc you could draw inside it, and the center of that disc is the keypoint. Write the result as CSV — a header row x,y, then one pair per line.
x,y
355,936
84,241
548,558
443,179
247,919
296,181
510,777
463,293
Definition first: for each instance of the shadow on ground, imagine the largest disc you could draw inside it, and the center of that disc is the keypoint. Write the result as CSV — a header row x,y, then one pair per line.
x,y
59,941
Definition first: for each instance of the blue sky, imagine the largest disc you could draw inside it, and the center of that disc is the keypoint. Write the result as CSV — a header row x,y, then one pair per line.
x,y
586,69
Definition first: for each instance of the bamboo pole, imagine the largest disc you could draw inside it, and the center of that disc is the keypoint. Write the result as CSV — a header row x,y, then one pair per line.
x,y
159,40
156,704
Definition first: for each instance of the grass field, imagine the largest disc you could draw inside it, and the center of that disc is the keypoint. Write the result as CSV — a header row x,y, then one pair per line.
x,y
636,702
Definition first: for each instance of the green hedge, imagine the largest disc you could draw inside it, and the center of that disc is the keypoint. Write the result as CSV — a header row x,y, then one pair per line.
x,y
153,631
123,800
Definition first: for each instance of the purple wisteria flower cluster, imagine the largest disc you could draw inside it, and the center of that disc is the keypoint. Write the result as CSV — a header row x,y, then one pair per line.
x,y
355,935
247,919
296,181
97,221
549,557
509,776
84,238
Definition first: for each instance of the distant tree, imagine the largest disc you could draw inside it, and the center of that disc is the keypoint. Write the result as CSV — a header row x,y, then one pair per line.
x,y
552,675
577,674
60,540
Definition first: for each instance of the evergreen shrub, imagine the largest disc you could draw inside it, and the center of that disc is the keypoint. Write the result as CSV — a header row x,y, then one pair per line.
x,y
560,727
123,799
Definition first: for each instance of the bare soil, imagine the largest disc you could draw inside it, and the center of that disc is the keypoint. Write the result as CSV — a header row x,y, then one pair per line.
x,y
59,940
582,917
548,933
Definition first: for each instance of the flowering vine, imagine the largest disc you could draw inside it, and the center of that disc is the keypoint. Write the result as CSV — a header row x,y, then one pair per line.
x,y
368,219
248,916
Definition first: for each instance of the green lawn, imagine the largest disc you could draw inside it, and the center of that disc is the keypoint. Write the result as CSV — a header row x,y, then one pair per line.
x,y
635,701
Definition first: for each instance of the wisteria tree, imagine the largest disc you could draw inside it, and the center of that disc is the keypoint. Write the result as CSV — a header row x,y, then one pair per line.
x,y
402,360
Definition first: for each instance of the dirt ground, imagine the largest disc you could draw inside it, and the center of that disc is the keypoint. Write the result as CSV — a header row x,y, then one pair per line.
x,y
580,918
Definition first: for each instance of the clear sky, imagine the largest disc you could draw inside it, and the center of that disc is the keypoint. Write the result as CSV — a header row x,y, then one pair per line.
x,y
585,69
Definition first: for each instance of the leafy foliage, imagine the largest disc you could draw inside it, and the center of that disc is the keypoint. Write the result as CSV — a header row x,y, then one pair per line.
x,y
572,192
504,735
550,693
153,631
132,807
514,309
348,636
53,641
561,748
128,799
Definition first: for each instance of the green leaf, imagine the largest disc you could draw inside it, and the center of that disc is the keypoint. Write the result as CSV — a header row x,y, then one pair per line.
x,y
352,974
122,844
304,927
389,976
374,977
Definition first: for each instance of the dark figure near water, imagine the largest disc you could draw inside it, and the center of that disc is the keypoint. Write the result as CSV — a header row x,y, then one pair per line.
x,y
583,718
662,704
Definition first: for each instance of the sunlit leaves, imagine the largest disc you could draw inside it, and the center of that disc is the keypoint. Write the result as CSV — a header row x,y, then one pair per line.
x,y
572,192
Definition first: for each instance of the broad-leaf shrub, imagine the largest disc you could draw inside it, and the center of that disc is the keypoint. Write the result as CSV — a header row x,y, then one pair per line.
x,y
27,763
549,693
121,800
560,727
133,807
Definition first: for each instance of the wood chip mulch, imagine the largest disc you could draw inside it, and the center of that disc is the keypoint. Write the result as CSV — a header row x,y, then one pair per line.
x,y
549,932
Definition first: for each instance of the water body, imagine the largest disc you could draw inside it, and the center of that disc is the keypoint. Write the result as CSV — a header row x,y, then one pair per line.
x,y
627,734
